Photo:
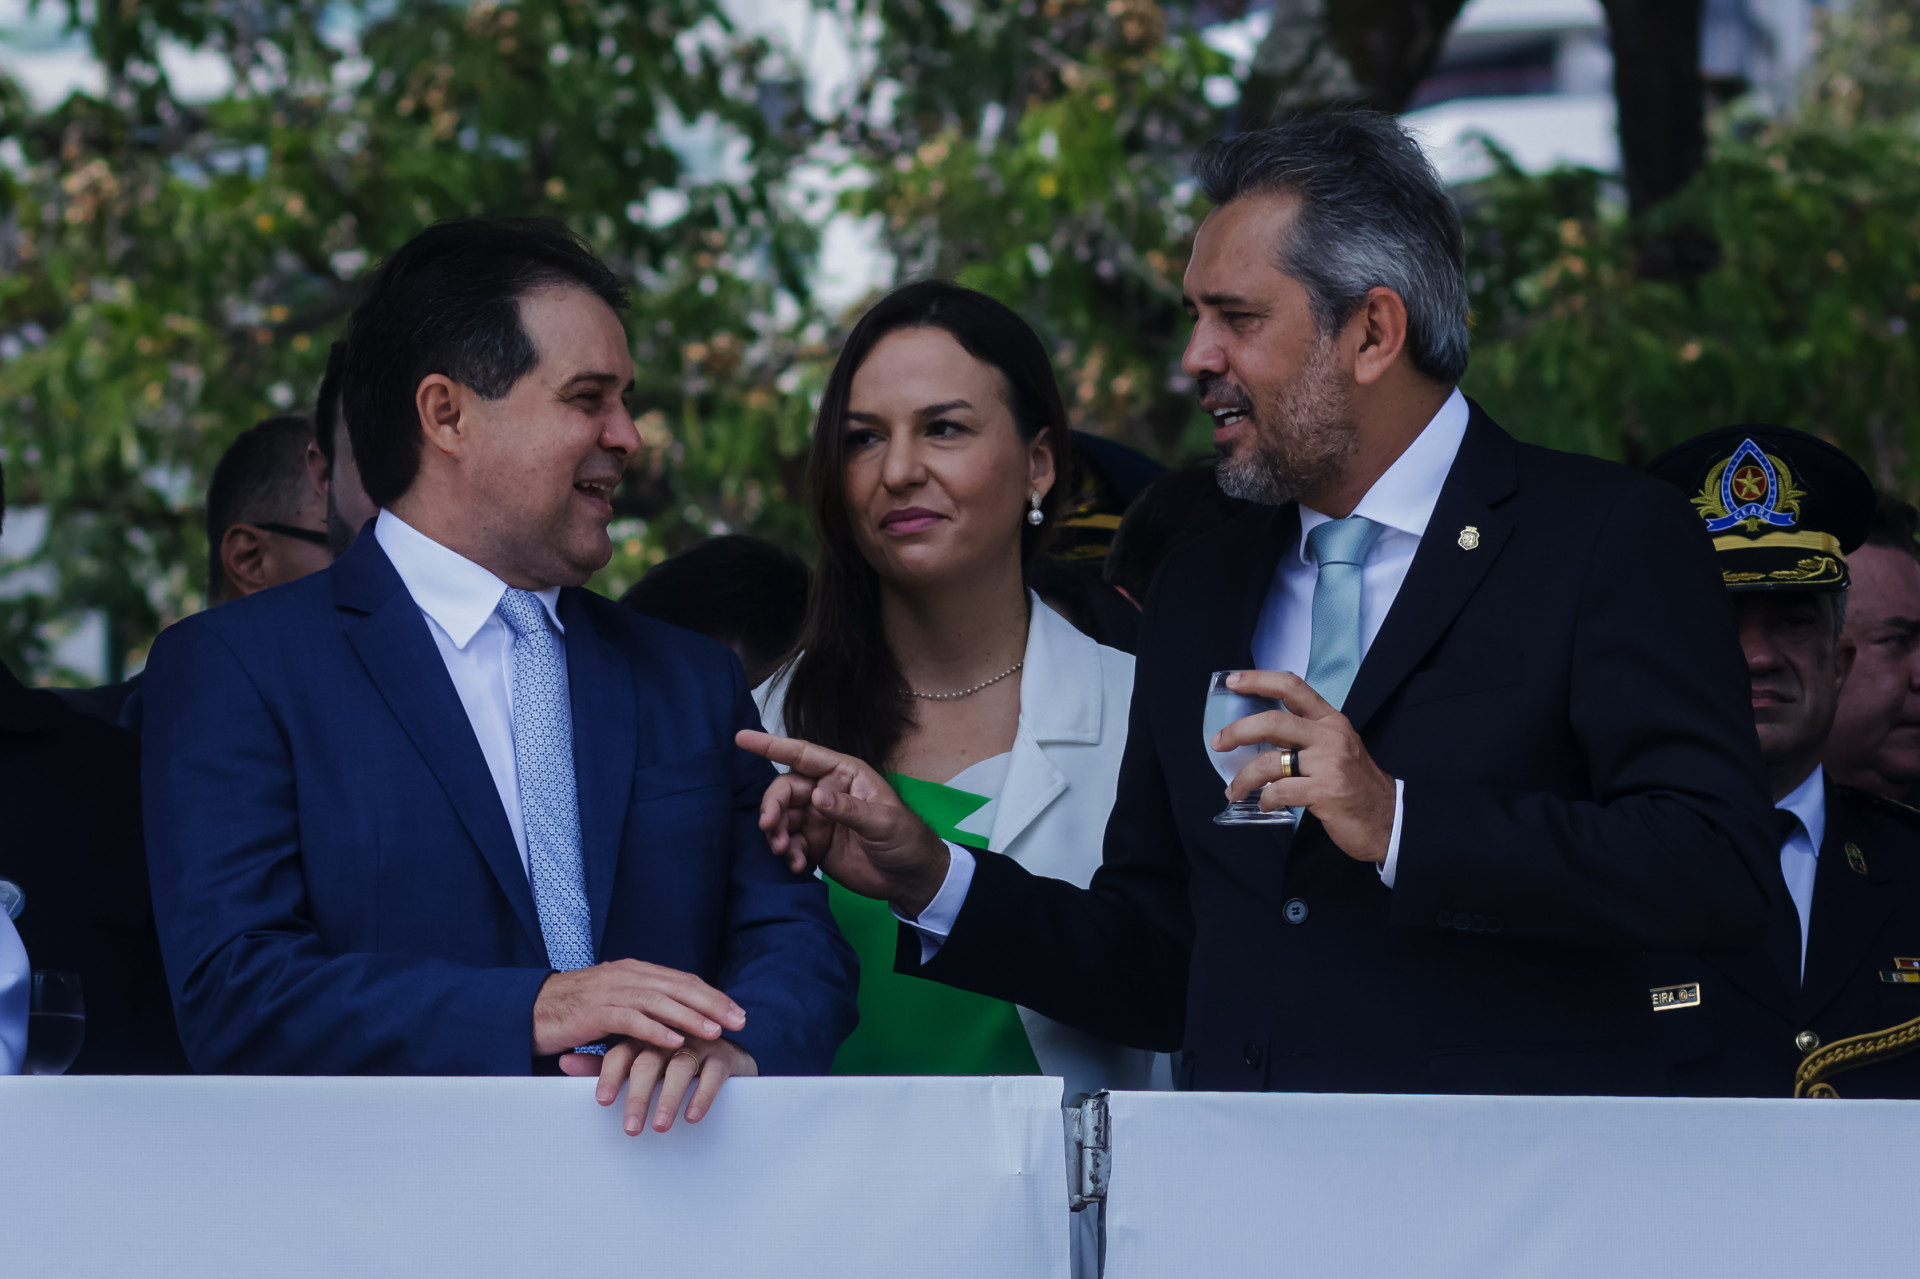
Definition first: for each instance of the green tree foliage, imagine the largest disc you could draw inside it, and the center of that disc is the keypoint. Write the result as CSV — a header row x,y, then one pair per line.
x,y
175,271
1805,321
1040,152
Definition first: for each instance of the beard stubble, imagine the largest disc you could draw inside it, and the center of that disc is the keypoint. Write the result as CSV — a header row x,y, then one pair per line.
x,y
1301,439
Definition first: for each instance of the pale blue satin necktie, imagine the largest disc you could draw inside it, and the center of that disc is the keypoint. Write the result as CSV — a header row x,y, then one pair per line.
x,y
549,799
1340,548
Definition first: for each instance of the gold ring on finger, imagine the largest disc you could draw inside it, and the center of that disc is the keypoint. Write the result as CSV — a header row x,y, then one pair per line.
x,y
689,1054
1289,762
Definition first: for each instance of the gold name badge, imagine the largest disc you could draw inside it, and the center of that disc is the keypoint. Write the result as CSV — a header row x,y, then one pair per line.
x,y
1685,995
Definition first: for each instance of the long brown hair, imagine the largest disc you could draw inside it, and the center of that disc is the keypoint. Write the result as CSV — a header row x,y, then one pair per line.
x,y
846,692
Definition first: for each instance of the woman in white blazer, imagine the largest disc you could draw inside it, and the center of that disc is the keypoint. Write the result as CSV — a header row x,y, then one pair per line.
x,y
936,475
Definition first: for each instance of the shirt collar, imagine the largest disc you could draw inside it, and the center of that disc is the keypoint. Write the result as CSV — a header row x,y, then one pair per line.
x,y
1404,496
1808,802
455,592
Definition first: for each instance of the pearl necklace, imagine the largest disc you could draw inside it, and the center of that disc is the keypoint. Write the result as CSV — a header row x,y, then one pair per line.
x,y
968,692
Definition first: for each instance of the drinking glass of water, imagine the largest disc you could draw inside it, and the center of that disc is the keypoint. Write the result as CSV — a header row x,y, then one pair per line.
x,y
56,1022
1223,707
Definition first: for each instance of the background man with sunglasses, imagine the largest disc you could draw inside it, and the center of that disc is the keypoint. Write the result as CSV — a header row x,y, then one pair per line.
x,y
266,523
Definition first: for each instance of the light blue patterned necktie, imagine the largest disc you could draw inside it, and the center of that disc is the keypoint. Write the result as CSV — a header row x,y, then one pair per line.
x,y
1340,548
549,799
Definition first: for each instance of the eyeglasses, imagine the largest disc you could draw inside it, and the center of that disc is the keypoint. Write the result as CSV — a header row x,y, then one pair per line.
x,y
289,530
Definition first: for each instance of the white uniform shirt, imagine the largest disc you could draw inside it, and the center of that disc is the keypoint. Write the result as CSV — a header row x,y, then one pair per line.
x,y
1800,855
458,599
1402,501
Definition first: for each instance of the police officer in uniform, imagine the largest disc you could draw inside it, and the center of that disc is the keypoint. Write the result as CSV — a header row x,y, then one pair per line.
x,y
1842,956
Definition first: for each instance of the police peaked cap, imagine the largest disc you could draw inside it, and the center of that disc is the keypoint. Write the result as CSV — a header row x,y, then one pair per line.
x,y
1784,508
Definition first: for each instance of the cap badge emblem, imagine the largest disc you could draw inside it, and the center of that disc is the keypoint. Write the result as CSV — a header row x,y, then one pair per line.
x,y
1856,859
1469,538
1750,490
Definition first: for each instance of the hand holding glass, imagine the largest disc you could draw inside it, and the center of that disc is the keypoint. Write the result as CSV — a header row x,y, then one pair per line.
x,y
56,1022
1224,706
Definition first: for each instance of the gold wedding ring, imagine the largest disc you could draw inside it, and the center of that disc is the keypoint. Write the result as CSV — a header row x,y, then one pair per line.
x,y
1289,762
685,1052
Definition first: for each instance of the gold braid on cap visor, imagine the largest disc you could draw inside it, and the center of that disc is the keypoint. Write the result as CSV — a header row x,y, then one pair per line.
x,y
1788,541
1828,565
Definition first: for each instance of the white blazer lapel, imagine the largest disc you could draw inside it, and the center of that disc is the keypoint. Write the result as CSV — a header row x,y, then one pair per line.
x,y
1060,701
1032,783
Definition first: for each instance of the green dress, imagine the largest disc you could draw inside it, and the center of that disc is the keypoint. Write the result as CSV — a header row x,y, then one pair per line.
x,y
909,1025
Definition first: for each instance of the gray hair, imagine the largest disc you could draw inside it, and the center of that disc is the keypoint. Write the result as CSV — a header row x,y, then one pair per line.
x,y
1373,214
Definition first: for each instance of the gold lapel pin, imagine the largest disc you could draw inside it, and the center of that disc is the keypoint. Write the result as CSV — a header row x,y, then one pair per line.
x,y
1469,538
1856,859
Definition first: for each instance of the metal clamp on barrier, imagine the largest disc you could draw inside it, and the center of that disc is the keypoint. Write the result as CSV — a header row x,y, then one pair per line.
x,y
1089,1149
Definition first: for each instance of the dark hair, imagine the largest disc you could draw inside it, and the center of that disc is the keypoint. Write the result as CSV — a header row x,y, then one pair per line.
x,y
448,302
847,693
326,409
1894,524
1373,213
743,591
1174,509
261,476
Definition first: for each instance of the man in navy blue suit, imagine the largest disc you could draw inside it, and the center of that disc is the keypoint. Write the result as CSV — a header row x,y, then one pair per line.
x,y
437,810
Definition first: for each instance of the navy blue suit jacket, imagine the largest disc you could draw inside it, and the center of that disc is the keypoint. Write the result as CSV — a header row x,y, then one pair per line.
x,y
336,886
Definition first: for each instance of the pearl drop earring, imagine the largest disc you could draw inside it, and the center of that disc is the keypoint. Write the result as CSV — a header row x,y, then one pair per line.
x,y
1034,516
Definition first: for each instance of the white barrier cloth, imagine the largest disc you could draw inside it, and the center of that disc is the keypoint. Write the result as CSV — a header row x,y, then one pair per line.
x,y
217,1177
1476,1187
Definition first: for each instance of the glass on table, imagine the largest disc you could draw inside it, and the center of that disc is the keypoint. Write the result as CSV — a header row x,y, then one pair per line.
x,y
1224,706
56,1022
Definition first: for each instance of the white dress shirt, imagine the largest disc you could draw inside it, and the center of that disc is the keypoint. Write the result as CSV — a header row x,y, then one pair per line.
x,y
1800,855
1401,501
458,599
16,989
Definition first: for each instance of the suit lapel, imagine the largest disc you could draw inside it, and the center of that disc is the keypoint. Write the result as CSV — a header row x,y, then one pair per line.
x,y
1444,573
1754,971
398,652
605,738
1849,909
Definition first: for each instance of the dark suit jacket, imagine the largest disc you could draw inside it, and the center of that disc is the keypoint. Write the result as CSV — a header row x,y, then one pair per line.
x,y
1567,705
338,890
1739,1039
70,790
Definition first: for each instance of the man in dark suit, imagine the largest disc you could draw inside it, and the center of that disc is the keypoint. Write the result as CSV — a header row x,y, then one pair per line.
x,y
437,810
70,790
1520,747
1875,742
1842,953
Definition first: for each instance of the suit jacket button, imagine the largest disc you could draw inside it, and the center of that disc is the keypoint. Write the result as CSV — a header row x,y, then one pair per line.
x,y
1462,922
1806,1041
1479,923
1494,923
1444,919
1295,910
1252,1051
